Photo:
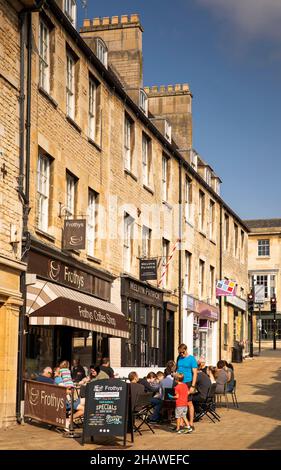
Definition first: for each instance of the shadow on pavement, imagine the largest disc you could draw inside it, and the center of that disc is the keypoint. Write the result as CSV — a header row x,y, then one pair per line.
x,y
271,441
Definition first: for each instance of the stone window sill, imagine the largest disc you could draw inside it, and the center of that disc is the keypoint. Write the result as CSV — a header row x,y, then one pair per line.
x,y
45,235
74,124
92,142
129,173
148,189
95,260
48,96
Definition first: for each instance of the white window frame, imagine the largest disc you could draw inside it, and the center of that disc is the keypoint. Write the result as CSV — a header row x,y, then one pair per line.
x,y
92,108
201,211
212,206
143,101
168,131
145,159
146,241
101,51
165,165
91,222
128,242
44,56
166,253
43,191
70,195
70,86
236,239
208,176
264,247
188,198
127,143
211,283
187,274
201,276
266,280
226,231
70,10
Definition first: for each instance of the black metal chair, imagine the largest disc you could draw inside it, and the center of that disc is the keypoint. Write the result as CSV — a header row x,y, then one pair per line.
x,y
142,411
208,406
233,395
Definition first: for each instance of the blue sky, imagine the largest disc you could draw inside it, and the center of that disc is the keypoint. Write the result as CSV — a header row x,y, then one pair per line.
x,y
229,51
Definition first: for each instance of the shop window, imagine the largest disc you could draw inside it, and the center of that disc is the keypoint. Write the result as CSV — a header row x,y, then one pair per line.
x,y
155,336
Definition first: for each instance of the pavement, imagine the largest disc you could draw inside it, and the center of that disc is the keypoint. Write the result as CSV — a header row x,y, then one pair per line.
x,y
256,424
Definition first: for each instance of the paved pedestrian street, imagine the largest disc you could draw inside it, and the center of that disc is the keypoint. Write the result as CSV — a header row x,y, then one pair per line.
x,y
255,425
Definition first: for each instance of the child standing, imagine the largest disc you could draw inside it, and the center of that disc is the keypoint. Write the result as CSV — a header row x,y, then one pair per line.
x,y
181,397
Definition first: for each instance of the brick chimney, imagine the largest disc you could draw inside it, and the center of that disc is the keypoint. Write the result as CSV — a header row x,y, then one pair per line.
x,y
123,38
174,103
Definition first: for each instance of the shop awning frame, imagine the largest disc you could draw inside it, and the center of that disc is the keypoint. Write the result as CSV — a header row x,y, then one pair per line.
x,y
50,304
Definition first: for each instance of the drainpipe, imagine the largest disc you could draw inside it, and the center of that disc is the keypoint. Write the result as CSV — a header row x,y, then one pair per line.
x,y
220,298
180,253
23,189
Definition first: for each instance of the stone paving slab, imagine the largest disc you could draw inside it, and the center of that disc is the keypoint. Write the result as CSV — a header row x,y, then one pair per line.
x,y
255,425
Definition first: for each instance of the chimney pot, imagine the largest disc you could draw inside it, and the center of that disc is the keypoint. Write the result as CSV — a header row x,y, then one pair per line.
x,y
124,19
185,87
115,20
105,20
135,18
86,23
96,21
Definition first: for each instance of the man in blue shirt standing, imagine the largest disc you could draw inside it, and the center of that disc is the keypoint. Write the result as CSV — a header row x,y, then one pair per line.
x,y
187,365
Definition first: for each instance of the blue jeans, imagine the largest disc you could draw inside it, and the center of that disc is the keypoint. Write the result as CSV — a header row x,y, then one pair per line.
x,y
157,403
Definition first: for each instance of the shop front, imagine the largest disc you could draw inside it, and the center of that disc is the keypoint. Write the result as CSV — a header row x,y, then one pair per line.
x,y
68,310
240,323
200,329
149,322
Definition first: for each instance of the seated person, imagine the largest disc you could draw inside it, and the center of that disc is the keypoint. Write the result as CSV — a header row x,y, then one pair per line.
x,y
77,371
105,367
136,387
167,382
230,382
57,376
149,382
78,407
95,373
46,376
221,376
66,374
202,364
203,384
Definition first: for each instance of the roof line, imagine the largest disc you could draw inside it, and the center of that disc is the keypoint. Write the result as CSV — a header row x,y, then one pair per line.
x,y
111,80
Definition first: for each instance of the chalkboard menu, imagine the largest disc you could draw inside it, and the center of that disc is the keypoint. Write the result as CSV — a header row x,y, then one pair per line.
x,y
107,409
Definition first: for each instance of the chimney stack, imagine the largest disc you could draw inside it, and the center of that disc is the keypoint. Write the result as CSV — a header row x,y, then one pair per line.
x,y
174,103
123,38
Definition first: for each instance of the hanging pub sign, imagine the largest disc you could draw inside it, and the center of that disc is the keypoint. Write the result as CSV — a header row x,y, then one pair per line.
x,y
107,410
148,269
74,234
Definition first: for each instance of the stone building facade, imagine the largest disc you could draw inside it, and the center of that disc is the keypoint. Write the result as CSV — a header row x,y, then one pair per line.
x,y
264,270
105,150
11,266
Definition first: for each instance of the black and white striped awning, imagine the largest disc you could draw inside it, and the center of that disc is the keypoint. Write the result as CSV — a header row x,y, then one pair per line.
x,y
52,304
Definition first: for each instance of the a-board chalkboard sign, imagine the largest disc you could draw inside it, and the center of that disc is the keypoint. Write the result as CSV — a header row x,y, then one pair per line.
x,y
107,409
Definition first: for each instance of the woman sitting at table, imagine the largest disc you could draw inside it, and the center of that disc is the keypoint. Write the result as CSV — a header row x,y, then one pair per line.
x,y
222,376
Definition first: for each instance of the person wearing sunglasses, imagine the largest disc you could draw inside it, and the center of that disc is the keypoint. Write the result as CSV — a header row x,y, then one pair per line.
x,y
187,365
46,376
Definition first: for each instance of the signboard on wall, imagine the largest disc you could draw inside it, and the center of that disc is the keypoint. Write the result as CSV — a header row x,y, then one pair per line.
x,y
148,269
74,234
107,409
